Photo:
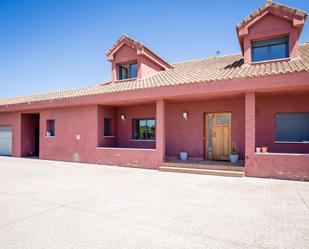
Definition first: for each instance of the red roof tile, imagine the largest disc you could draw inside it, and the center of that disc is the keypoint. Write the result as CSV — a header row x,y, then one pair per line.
x,y
190,72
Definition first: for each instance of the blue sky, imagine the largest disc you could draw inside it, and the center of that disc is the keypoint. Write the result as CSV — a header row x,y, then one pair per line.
x,y
46,45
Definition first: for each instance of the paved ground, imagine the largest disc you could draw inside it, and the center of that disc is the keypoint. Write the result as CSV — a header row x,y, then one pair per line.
x,y
55,205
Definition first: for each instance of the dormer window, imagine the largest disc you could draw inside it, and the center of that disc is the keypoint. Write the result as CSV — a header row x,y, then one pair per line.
x,y
271,49
132,60
127,71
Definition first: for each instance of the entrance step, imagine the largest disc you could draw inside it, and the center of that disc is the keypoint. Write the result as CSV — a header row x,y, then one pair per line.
x,y
204,168
203,171
205,165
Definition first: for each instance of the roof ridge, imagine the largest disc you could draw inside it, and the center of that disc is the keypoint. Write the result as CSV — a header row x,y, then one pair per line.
x,y
267,4
122,37
297,11
205,58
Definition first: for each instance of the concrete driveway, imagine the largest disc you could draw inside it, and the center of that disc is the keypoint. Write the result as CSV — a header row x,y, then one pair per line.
x,y
46,204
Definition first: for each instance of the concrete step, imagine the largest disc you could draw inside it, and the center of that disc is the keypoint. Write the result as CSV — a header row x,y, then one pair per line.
x,y
202,171
204,166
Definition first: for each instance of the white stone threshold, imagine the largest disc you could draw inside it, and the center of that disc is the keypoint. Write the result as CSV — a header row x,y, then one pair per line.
x,y
280,154
119,148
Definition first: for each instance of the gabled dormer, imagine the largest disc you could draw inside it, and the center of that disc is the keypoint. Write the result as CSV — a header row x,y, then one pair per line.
x,y
271,33
133,60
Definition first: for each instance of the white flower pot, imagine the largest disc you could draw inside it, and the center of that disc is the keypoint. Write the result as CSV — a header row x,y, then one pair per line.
x,y
234,158
184,156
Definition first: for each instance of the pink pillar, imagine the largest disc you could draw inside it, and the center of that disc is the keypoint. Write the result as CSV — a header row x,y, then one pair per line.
x,y
16,139
160,129
114,71
247,51
249,125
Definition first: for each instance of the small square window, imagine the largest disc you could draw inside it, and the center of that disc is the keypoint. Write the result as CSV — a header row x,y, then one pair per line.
x,y
144,129
107,127
50,128
127,71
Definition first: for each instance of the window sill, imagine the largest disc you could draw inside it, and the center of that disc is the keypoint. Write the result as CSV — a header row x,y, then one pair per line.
x,y
49,136
280,154
108,136
287,142
121,148
143,140
270,61
124,80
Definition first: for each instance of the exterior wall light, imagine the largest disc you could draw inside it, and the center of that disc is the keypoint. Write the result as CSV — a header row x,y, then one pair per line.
x,y
185,115
123,117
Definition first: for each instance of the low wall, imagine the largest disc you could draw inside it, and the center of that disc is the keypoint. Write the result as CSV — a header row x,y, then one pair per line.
x,y
138,158
279,166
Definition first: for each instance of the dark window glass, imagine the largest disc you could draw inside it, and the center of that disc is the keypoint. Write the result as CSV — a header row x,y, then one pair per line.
x,y
260,54
144,129
50,128
270,49
107,127
127,71
133,70
279,51
123,72
292,127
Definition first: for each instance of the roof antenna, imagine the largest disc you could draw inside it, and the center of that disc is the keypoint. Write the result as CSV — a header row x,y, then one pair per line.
x,y
218,53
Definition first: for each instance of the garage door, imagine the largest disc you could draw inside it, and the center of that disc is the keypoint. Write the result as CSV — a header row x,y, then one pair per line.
x,y
5,140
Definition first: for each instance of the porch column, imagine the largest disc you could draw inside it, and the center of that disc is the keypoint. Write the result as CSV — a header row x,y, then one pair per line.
x,y
160,129
249,125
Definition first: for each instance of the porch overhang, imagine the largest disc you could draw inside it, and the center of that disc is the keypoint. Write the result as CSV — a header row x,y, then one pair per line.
x,y
272,83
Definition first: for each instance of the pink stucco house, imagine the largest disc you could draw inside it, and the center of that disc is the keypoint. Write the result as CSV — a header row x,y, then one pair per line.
x,y
152,110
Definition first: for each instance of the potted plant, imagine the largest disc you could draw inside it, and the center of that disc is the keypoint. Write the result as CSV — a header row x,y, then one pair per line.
x,y
258,149
264,149
184,155
234,154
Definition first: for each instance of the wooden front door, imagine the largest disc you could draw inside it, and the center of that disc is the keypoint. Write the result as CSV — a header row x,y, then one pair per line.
x,y
217,136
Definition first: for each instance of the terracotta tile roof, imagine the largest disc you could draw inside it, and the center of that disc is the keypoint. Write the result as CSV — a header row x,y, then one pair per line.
x,y
190,72
271,4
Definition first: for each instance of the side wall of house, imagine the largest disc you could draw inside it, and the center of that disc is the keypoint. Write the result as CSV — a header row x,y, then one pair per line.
x,y
83,123
69,124
14,120
147,67
188,135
